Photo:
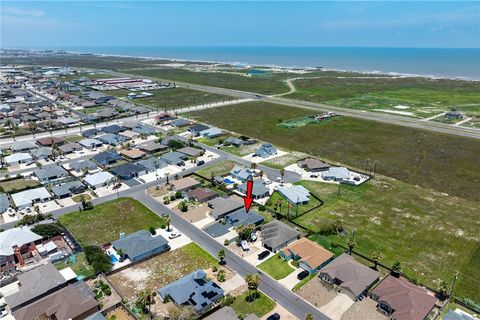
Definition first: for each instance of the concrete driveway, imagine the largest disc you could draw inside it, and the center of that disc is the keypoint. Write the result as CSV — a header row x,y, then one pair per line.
x,y
337,307
230,285
291,280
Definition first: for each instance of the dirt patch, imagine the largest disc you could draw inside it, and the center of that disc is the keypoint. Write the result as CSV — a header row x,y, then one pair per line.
x,y
317,293
120,314
363,310
158,191
196,214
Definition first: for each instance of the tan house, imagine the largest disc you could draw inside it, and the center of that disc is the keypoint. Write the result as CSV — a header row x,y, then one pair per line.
x,y
185,184
310,255
133,154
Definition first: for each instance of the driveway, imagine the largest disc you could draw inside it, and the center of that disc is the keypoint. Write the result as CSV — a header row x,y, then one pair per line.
x,y
337,307
230,285
291,280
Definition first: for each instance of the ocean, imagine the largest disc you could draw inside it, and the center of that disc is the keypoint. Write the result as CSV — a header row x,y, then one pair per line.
x,y
430,62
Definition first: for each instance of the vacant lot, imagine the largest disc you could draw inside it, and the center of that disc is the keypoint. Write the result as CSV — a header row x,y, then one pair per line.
x,y
161,270
218,169
173,98
276,267
405,223
105,221
423,97
17,185
268,84
442,162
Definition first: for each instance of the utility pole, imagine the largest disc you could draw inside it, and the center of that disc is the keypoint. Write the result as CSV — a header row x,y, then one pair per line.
x,y
366,165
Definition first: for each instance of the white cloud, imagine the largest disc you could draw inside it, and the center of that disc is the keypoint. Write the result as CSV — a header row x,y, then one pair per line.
x,y
22,12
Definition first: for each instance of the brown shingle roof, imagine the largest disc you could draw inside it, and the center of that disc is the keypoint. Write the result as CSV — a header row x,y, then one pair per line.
x,y
310,252
408,301
48,141
132,153
202,194
184,183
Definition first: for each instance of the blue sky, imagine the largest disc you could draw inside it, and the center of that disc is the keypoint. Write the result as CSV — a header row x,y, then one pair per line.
x,y
229,23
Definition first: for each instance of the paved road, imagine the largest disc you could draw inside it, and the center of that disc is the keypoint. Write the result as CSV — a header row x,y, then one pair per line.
x,y
366,115
290,301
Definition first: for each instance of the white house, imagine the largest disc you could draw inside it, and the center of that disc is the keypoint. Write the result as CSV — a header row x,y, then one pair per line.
x,y
98,179
27,198
18,158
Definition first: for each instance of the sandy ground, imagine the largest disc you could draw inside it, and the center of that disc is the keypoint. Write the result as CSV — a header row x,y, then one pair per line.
x,y
196,214
364,310
337,307
316,293
120,314
284,314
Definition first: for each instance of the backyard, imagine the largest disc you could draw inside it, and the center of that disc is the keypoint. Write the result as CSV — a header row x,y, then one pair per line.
x,y
105,221
16,185
161,270
276,267
279,204
80,265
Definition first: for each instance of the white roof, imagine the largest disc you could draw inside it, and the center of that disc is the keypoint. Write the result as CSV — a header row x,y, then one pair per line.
x,y
295,194
50,246
337,172
68,273
26,197
16,157
98,178
89,142
16,236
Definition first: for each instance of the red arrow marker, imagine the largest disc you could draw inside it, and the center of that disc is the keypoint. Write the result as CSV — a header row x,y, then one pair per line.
x,y
247,200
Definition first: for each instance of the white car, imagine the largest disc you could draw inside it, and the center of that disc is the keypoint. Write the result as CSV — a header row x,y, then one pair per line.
x,y
174,235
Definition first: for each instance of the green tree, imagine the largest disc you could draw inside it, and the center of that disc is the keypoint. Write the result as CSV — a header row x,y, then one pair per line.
x,y
181,313
376,258
397,268
351,245
443,289
168,220
221,255
253,281
183,206
144,299
309,316
221,275
97,259
282,173
48,230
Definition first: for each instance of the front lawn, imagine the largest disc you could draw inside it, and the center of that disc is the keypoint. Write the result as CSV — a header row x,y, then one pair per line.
x,y
276,267
260,306
105,221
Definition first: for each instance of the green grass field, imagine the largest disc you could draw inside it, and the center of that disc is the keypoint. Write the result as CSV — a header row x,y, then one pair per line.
x,y
174,98
105,221
81,267
260,306
433,160
218,169
408,224
293,211
17,185
270,84
276,267
423,97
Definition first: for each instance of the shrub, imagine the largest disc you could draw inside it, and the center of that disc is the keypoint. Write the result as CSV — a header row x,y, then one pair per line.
x,y
152,230
228,300
214,269
261,208
178,195
173,198
48,230
226,242
221,276
332,228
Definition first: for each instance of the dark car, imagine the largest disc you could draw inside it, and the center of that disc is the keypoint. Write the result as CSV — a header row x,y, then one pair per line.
x,y
274,316
302,275
201,162
263,255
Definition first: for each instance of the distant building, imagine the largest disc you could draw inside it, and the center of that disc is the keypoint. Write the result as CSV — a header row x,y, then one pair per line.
x,y
174,158
241,173
197,128
90,143
223,206
141,245
50,173
16,245
191,152
106,158
259,190
128,171
266,150
18,158
83,165
201,194
296,195
313,165
185,184
336,174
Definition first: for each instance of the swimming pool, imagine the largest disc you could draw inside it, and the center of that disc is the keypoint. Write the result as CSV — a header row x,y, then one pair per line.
x,y
228,181
113,259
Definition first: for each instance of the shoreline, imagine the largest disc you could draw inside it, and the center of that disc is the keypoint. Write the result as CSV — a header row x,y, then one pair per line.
x,y
286,68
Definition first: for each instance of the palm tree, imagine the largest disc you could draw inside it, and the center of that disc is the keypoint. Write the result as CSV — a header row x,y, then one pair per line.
x,y
144,299
253,166
351,245
376,257
168,220
309,316
253,281
221,255
282,173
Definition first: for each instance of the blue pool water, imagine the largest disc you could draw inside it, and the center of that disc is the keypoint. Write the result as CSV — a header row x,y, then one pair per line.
x,y
113,259
228,181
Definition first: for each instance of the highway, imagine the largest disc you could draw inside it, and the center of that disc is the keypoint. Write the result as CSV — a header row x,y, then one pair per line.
x,y
361,114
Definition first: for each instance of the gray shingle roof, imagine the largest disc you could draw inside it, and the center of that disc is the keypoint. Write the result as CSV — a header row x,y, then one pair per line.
x,y
53,171
83,164
277,234
139,243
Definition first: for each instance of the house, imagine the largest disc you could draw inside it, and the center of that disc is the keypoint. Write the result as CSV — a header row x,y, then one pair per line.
x,y
241,173
33,284
336,174
225,313
23,146
259,190
133,154
276,235
16,245
178,123
153,147
91,133
83,165
28,198
311,256
4,203
296,195
70,147
401,300
313,165
18,158
67,189
90,143
106,157
223,206
174,158
185,184
353,278
234,142
201,194
241,217
191,152
197,128
74,302
129,134
50,173
211,133
98,179
193,290
42,153
50,141
152,164
142,128
266,150
164,116
141,245
128,171
111,139
113,129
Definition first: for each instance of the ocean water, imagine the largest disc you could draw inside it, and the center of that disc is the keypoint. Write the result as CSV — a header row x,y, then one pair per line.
x,y
434,62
